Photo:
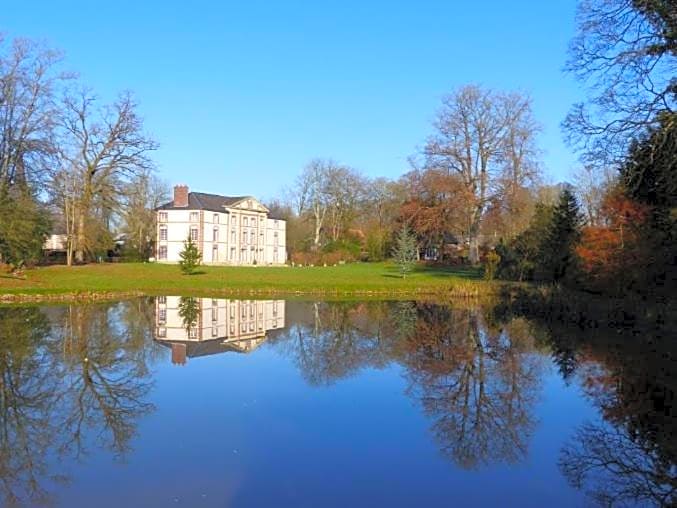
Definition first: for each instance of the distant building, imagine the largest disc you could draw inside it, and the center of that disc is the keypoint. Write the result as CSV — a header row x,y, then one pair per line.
x,y
55,242
219,326
227,230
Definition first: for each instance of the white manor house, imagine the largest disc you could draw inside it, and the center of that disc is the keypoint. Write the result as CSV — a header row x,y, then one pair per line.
x,y
227,230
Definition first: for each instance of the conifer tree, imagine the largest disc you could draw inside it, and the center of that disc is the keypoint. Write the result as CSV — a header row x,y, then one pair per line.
x,y
190,257
558,257
405,249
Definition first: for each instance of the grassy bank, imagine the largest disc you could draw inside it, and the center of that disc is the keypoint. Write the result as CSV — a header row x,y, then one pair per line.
x,y
138,278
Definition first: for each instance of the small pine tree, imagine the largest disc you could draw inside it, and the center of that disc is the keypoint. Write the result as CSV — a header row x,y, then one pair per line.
x,y
190,257
405,250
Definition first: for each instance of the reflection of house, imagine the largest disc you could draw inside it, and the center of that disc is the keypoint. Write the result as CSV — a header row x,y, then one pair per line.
x,y
226,230
217,325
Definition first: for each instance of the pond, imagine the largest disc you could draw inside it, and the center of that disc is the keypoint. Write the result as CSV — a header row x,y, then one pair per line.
x,y
175,401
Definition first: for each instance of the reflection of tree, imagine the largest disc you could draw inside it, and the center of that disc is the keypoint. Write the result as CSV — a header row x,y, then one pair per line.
x,y
621,353
618,469
105,378
479,388
28,395
338,339
189,311
632,456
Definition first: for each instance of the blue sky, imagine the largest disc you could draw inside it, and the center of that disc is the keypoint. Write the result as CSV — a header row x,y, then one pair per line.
x,y
241,95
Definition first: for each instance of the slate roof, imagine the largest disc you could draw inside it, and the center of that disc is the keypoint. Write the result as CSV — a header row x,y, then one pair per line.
x,y
203,201
196,349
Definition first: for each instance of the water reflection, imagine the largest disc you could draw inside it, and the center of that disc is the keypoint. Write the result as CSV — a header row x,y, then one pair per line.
x,y
76,381
629,455
193,327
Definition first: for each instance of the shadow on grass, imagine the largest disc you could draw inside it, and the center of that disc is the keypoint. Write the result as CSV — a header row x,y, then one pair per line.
x,y
459,272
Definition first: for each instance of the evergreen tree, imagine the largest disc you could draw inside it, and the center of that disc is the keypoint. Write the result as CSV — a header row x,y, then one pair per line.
x,y
190,257
520,256
405,250
557,257
24,225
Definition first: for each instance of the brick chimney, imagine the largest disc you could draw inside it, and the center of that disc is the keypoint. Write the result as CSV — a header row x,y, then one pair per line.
x,y
178,354
181,195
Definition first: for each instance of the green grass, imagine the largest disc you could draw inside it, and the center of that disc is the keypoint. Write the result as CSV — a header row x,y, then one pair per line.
x,y
142,278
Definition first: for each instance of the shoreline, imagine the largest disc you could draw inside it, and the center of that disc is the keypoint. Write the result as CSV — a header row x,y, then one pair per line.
x,y
96,296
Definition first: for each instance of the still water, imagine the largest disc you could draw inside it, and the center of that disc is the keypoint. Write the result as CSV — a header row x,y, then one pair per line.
x,y
209,402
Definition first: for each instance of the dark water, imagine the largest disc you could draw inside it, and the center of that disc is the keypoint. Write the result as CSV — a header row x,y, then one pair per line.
x,y
201,402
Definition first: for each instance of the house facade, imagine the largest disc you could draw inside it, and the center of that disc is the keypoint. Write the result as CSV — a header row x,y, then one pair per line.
x,y
227,230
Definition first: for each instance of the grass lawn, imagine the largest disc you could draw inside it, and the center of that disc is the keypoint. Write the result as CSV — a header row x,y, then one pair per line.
x,y
147,278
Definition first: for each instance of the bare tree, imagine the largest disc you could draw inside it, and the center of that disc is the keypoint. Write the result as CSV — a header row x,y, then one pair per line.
x,y
346,194
29,81
625,53
104,147
483,136
142,195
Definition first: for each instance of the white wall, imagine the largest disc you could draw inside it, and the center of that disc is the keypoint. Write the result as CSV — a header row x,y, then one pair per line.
x,y
261,246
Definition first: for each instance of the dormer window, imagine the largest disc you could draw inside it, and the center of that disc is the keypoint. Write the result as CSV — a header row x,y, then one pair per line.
x,y
194,216
216,218
163,217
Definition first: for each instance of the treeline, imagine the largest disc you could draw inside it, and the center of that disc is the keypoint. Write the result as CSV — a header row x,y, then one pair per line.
x,y
69,162
623,239
476,180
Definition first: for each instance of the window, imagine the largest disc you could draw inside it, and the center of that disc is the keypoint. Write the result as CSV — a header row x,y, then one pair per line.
x,y
215,303
194,216
162,300
253,221
163,234
232,253
244,222
252,237
232,311
244,237
162,316
163,216
232,329
215,314
162,252
161,332
215,253
276,223
193,333
233,237
215,331
215,234
276,240
216,218
193,234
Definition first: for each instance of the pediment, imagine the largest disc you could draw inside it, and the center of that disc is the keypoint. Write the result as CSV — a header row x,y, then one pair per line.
x,y
250,204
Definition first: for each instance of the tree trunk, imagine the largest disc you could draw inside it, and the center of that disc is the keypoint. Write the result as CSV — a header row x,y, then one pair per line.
x,y
81,238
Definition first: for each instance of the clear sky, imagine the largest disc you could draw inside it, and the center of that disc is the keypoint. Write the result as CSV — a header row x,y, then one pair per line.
x,y
241,94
